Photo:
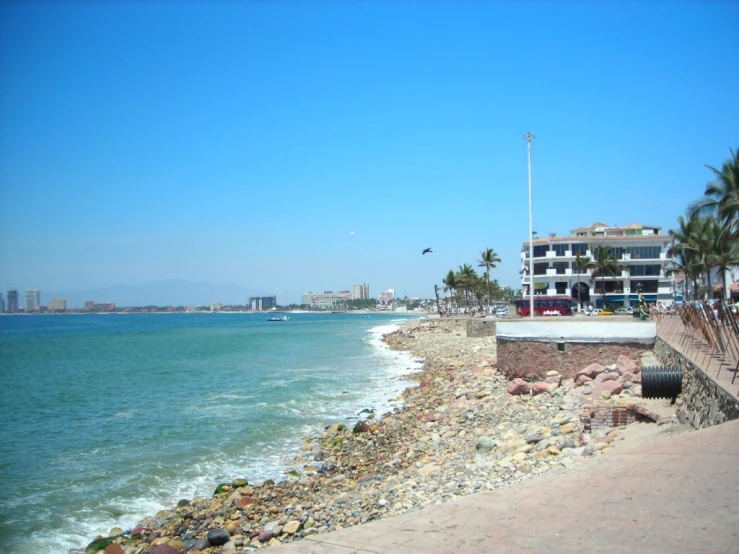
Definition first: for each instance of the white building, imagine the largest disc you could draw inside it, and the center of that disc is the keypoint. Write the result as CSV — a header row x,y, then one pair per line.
x,y
640,250
361,292
327,299
33,300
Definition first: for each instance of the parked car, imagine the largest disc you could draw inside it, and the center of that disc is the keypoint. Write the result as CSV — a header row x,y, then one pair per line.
x,y
624,310
604,312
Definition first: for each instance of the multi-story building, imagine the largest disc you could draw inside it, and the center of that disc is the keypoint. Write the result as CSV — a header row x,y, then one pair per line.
x,y
58,304
99,307
262,303
640,251
12,301
386,299
2,303
33,300
361,292
327,300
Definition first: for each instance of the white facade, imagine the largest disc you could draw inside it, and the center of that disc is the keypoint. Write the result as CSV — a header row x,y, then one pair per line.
x,y
327,299
640,251
361,292
33,300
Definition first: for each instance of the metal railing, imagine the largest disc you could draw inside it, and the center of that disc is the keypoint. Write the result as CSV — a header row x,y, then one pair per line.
x,y
705,333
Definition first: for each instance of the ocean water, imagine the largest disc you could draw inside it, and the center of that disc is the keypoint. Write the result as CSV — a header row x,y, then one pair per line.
x,y
107,419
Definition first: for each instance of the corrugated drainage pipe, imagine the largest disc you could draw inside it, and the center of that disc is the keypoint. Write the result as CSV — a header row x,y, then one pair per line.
x,y
661,382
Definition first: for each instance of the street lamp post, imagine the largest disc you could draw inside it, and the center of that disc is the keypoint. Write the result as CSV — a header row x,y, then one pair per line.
x,y
528,137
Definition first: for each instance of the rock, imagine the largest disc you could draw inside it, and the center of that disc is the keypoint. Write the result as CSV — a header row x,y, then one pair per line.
x,y
266,536
114,549
592,371
292,527
361,427
582,379
612,387
485,444
540,388
567,428
625,365
611,368
603,377
200,544
164,549
518,386
218,536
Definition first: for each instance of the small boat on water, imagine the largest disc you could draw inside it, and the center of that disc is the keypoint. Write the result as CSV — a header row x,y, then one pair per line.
x,y
278,318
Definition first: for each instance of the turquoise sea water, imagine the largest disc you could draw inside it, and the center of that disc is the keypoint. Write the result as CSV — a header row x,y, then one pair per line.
x,y
110,418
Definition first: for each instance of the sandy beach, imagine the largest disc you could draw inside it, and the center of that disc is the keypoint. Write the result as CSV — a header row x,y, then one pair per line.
x,y
458,432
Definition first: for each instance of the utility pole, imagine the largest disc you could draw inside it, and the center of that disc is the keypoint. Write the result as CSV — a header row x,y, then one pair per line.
x,y
528,137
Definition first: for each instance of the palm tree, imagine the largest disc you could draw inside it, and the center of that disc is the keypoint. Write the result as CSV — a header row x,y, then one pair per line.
x,y
466,280
489,260
450,282
604,264
582,264
722,195
684,255
725,253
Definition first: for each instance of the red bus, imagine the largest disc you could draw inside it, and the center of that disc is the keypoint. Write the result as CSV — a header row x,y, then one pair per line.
x,y
546,305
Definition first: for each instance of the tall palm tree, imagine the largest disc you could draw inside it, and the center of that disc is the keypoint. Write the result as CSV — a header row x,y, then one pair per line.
x,y
724,254
582,264
604,264
466,279
489,260
684,256
450,282
722,195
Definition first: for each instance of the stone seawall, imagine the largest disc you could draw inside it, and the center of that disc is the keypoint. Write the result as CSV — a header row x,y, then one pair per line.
x,y
703,402
531,360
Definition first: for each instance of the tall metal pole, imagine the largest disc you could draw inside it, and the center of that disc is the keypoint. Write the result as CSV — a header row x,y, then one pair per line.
x,y
528,137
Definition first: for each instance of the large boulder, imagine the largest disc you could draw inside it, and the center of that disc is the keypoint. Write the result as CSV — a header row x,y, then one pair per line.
x,y
218,537
625,365
592,371
519,386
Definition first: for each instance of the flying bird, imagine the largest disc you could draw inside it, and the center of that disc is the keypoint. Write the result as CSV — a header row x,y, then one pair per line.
x,y
426,251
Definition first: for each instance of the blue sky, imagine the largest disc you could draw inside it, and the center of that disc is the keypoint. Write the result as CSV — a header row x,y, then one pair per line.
x,y
242,142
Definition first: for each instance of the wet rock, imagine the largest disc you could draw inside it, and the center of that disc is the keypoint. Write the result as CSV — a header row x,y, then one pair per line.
x,y
218,537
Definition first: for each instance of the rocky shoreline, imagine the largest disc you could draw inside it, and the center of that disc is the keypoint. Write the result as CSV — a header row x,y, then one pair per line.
x,y
464,429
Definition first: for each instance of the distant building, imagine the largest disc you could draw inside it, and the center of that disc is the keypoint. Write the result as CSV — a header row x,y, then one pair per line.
x,y
103,307
216,307
386,299
361,292
33,300
327,299
262,303
12,301
58,304
2,303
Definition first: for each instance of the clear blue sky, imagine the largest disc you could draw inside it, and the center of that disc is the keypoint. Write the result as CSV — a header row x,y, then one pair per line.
x,y
242,142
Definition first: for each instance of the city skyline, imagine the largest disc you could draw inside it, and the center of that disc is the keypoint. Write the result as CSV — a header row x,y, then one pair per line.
x,y
287,147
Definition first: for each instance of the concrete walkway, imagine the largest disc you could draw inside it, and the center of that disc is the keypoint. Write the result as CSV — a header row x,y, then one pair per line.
x,y
678,495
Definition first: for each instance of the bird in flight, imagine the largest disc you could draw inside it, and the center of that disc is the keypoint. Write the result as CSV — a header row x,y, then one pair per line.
x,y
426,251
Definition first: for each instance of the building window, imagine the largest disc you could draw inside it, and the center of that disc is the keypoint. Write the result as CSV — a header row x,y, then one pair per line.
x,y
579,249
561,287
649,270
540,251
560,249
560,267
541,269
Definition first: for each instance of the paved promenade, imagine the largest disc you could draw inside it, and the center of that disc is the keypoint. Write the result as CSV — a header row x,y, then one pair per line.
x,y
678,495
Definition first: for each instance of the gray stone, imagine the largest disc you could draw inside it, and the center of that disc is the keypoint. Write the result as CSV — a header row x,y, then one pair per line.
x,y
485,444
218,537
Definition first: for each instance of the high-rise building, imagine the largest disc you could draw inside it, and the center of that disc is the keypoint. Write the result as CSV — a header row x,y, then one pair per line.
x,y
361,292
33,300
58,304
262,303
2,303
12,301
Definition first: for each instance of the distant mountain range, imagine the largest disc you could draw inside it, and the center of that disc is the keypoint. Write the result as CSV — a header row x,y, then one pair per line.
x,y
173,292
